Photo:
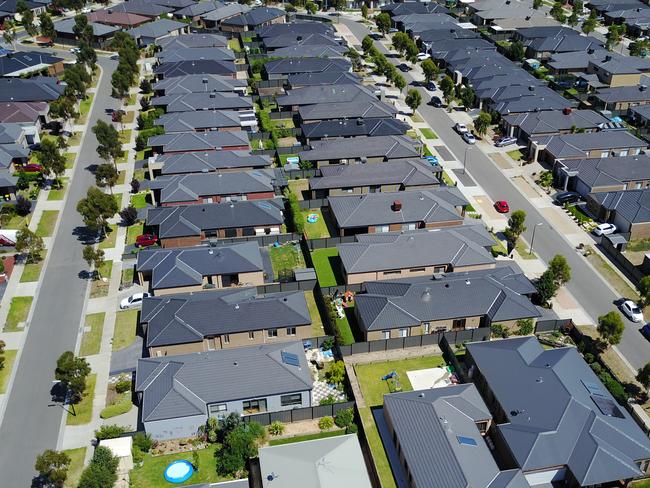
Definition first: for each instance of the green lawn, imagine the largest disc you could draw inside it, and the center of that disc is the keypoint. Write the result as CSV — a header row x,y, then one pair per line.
x,y
374,388
234,44
127,275
129,117
92,339
69,159
131,99
5,373
83,409
308,437
84,108
579,214
58,193
639,245
32,271
124,158
428,133
324,271
99,287
118,199
139,200
416,118
283,158
377,449
447,180
77,457
516,154
121,406
126,324
318,228
523,250
317,329
18,312
47,223
426,151
121,177
125,136
15,221
641,484
75,140
150,474
111,237
133,232
287,256
343,326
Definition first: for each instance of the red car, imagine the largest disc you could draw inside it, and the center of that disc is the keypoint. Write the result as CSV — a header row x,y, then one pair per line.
x,y
146,240
30,168
502,206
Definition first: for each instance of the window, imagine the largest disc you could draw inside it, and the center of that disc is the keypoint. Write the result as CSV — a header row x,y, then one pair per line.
x,y
439,269
458,324
291,331
382,228
272,332
482,426
409,227
403,332
217,409
226,338
417,270
347,190
425,327
386,273
386,334
251,335
604,154
287,400
623,153
254,406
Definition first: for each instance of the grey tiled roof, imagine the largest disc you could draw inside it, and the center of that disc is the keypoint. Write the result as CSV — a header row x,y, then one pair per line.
x,y
311,51
554,121
199,120
557,422
632,205
298,39
189,102
388,147
199,162
615,94
318,94
182,386
193,40
352,128
39,89
157,28
255,17
66,27
496,293
577,145
199,8
361,110
198,84
200,67
290,66
296,28
174,55
225,11
597,172
142,7
316,79
22,112
186,266
178,319
10,133
199,141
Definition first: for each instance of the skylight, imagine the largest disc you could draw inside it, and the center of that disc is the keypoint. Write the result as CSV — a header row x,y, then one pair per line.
x,y
466,441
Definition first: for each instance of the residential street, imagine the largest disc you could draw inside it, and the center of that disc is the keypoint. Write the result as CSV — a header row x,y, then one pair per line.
x,y
587,286
30,424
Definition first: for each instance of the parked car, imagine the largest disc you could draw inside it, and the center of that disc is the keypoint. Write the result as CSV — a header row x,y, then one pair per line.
x,y
505,141
392,30
86,10
468,137
133,301
75,50
460,128
433,160
431,86
423,56
567,197
30,168
146,240
403,68
645,330
632,311
436,102
604,229
502,206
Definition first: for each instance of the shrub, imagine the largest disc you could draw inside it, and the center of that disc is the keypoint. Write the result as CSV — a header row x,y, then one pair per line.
x,y
276,428
344,418
123,386
589,358
614,387
138,455
129,215
328,344
294,210
351,429
336,373
525,327
23,206
326,423
143,441
109,432
328,400
499,330
596,368
101,471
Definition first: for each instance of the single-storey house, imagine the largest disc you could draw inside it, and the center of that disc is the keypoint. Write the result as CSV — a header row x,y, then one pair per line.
x,y
271,43
280,69
102,33
310,51
180,142
177,394
602,144
189,225
27,113
25,63
551,122
324,94
208,120
603,174
253,19
117,18
190,269
628,210
330,78
195,11
40,89
205,162
200,67
168,55
150,33
182,85
620,98
192,40
145,8
190,102
214,18
370,127
360,112
223,319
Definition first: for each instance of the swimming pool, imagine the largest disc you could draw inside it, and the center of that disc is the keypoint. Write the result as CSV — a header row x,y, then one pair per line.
x,y
179,471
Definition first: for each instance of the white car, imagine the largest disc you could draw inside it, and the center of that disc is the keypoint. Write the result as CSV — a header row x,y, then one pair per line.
x,y
423,56
134,300
460,128
604,229
468,137
75,50
86,10
633,312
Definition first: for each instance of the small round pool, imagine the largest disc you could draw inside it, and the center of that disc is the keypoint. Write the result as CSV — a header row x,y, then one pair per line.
x,y
312,218
179,471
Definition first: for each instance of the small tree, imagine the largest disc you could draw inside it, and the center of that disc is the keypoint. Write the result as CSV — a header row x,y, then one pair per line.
x,y
546,179
399,82
367,44
546,287
276,428
610,327
52,467
639,48
644,289
643,375
430,70
537,4
344,418
525,327
238,446
614,35
23,206
448,88
196,460
31,244
326,423
102,470
109,145
364,11
47,26
129,215
336,373
51,158
96,208
468,97
413,99
560,269
93,257
589,25
517,51
9,33
106,175
515,228
482,123
383,22
311,8
557,12
72,372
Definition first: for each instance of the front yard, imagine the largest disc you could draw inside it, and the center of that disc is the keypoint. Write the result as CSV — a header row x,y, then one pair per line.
x,y
111,236
47,223
428,133
18,312
92,338
126,325
322,259
32,271
5,373
77,457
83,409
99,287
133,232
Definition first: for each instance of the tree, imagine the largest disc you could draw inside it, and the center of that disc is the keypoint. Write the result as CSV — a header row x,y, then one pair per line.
x,y
109,146
364,11
640,48
80,28
383,22
589,25
546,287
2,354
355,58
9,34
573,19
644,289
63,108
106,175
311,8
515,228
610,327
102,470
448,88
412,52
482,122
51,158
121,83
23,206
468,97
546,179
72,372
239,445
367,44
344,418
557,12
129,215
614,35
135,185
413,99
399,81
31,244
52,467
430,70
77,80
537,4
336,373
517,51
87,55
26,17
399,42
96,208
94,257
47,26
643,375
560,270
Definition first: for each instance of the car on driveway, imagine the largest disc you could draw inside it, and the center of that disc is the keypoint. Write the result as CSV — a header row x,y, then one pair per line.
x,y
460,128
75,50
431,86
403,67
146,240
30,168
502,206
436,102
432,160
392,30
423,56
133,301
468,137
567,197
604,229
645,330
632,311
505,141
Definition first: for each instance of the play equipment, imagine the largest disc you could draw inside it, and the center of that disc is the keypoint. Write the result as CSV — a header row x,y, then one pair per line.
x,y
179,471
392,374
312,218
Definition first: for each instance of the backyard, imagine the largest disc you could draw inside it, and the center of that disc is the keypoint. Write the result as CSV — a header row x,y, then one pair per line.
x,y
322,259
308,437
126,325
317,329
286,257
317,229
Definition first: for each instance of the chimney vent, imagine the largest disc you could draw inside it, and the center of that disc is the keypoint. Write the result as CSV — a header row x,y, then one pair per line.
x,y
566,110
643,87
396,206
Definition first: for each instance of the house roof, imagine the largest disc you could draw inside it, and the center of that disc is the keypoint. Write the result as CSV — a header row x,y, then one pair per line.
x,y
23,62
199,120
455,246
564,43
554,121
598,172
9,152
22,112
429,424
632,205
116,17
299,39
39,89
142,7
361,110
315,79
197,9
331,462
157,28
498,293
388,147
11,133
311,51
638,93
189,102
178,319
198,83
349,128
225,11
369,209
577,145
405,8
199,141
289,66
191,220
200,162
296,28
255,17
323,94
566,416
66,26
7,180
183,386
9,6
173,55
640,111
196,67
193,40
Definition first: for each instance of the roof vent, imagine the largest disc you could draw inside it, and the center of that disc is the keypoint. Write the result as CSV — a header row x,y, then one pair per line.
x,y
531,88
204,80
539,380
236,306
235,363
446,285
271,477
643,87
210,251
421,394
213,95
608,58
567,110
467,282
426,295
396,206
527,17
590,50
360,122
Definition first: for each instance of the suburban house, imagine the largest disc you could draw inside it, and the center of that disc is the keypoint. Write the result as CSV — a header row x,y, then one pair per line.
x,y
294,28
102,33
181,142
190,102
197,188
602,144
358,179
530,125
332,462
253,19
7,184
330,78
639,116
189,225
629,210
223,319
192,41
190,269
329,94
182,85
205,161
208,120
450,423
371,213
26,63
41,89
195,11
200,67
177,394
173,55
310,51
567,428
214,18
150,33
391,256
371,127
298,39
455,301
616,71
27,113
280,69
116,18
145,8
362,112
620,98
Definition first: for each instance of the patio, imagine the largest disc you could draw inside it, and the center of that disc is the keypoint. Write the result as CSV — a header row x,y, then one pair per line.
x,y
429,378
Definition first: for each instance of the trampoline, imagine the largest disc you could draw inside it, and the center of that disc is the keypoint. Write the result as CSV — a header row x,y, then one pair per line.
x,y
179,471
312,218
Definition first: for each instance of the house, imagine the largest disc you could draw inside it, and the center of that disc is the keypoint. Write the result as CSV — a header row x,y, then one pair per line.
x,y
330,78
603,174
295,28
406,8
628,210
189,225
223,319
639,116
450,423
391,256
350,150
182,85
27,113
26,63
200,67
359,179
174,4
208,120
192,40
543,48
325,94
271,43
7,185
178,142
195,11
8,8
529,125
13,154
177,394
620,99
364,112
21,135
175,55
332,128
310,51
566,428
371,213
193,269
124,20
197,188
102,33
455,301
214,18
144,8
280,69
189,102
253,19
616,71
332,462
204,162
601,144
150,33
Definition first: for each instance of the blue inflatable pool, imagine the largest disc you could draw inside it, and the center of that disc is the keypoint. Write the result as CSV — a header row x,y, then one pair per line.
x,y
179,471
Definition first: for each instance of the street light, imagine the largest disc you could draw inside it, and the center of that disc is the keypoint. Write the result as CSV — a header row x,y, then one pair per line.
x,y
532,240
465,158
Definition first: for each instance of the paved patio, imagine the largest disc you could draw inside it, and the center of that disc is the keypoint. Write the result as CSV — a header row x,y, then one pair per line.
x,y
424,379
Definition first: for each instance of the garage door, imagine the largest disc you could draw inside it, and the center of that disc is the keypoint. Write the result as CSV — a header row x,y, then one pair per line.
x,y
543,477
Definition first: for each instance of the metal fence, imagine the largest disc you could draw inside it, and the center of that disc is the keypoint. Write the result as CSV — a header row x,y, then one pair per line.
x,y
296,174
552,325
282,114
313,203
306,285
298,414
263,241
324,242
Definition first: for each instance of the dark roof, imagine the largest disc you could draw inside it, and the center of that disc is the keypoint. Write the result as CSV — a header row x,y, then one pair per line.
x,y
191,220
319,94
189,102
142,7
357,127
156,29
199,141
632,205
198,83
638,93
22,112
311,51
9,6
66,26
116,17
199,8
174,4
296,28
554,121
199,120
329,78
577,145
289,66
173,55
362,111
388,147
193,40
183,386
200,162
564,43
178,319
298,39
255,17
404,8
566,416
598,172
40,89
225,11
196,67
22,62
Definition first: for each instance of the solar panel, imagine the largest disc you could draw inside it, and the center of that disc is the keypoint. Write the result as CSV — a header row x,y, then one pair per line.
x,y
593,388
290,358
607,407
466,441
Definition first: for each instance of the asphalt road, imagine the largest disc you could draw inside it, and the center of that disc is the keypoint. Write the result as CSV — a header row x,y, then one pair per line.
x,y
30,426
586,285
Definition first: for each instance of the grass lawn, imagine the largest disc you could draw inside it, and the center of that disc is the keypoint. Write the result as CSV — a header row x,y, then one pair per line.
x,y
77,457
111,237
125,136
426,151
446,179
47,223
416,118
612,277
234,44
579,214
141,154
84,108
133,232
139,200
428,133
150,474
32,271
75,140
5,373
121,177
298,186
18,311
641,484
129,117
139,174
69,159
377,449
130,100
58,193
91,340
317,329
126,324
16,221
118,199
324,271
287,256
121,405
309,437
318,228
374,388
83,409
343,326
99,287
123,158
516,154
283,158
523,251
127,275
639,245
